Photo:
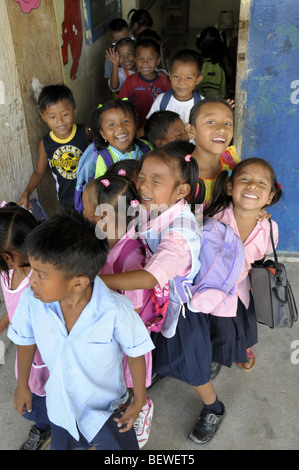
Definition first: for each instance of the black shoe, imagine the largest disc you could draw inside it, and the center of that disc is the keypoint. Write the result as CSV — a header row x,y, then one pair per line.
x,y
215,369
206,426
37,439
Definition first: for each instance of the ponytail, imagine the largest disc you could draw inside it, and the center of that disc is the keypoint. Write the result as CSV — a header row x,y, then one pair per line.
x,y
220,199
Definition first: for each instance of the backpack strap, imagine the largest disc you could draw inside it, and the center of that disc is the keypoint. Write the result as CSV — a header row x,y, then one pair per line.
x,y
144,147
165,100
168,94
106,156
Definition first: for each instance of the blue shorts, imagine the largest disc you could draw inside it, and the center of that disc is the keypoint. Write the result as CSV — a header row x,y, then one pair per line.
x,y
108,438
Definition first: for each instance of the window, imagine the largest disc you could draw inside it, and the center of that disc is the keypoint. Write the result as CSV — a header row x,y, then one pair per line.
x,y
98,14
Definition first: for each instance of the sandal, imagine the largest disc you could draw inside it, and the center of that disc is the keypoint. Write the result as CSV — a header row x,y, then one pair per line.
x,y
251,361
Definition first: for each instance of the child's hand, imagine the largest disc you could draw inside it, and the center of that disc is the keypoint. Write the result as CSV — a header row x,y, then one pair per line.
x,y
263,214
24,201
112,56
23,399
4,323
129,416
231,103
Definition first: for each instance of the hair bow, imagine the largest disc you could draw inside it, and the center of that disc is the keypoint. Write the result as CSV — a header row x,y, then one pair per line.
x,y
3,203
187,158
105,182
278,185
134,203
99,106
122,173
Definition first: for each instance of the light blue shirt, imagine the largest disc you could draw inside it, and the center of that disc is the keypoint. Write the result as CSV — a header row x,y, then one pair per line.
x,y
86,376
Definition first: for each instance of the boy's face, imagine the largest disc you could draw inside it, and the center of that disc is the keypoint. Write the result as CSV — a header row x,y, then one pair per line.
x,y
49,284
147,61
176,131
127,57
184,78
117,35
60,118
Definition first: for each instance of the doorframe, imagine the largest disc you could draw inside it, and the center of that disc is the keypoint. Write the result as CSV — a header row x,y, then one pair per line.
x,y
242,74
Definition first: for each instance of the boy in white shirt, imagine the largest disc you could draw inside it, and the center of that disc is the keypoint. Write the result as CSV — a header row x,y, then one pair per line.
x,y
82,330
184,75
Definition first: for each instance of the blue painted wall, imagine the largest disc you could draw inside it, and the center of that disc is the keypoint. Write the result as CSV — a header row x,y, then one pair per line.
x,y
271,126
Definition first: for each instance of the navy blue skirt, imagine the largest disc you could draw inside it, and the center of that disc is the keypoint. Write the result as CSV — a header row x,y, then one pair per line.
x,y
187,355
232,336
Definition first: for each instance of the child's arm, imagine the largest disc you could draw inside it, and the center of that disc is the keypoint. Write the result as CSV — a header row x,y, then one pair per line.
x,y
37,175
113,57
4,323
137,369
23,395
132,280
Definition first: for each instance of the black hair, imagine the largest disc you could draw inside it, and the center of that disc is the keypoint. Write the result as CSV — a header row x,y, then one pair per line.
x,y
149,34
15,224
77,251
221,199
124,41
211,45
187,56
149,43
125,105
118,24
52,94
109,188
141,17
173,154
125,168
158,123
212,99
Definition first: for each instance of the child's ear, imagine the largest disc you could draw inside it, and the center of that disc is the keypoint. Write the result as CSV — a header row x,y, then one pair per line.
x,y
158,143
190,131
271,196
75,111
183,190
80,283
8,259
199,79
159,60
229,188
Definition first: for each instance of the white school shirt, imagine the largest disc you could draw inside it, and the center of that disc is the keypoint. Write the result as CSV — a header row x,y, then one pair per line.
x,y
86,376
182,108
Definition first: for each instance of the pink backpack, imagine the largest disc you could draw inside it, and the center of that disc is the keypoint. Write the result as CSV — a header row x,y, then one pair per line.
x,y
155,301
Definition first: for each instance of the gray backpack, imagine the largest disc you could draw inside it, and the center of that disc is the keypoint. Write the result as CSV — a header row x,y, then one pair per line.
x,y
273,298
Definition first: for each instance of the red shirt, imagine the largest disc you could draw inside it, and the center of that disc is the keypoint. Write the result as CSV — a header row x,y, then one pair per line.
x,y
143,92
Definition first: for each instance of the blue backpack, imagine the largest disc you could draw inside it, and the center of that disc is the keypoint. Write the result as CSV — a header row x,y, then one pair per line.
x,y
222,257
87,167
168,94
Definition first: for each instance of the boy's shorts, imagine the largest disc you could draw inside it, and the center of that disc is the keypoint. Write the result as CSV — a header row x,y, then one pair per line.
x,y
108,438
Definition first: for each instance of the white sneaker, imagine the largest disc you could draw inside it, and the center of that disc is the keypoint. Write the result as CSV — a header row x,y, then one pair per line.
x,y
143,423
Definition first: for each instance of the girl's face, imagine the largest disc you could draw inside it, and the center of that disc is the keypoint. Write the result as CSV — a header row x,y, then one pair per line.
x,y
213,129
118,128
157,184
126,57
251,188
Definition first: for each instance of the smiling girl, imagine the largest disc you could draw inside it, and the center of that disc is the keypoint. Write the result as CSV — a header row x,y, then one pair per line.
x,y
211,126
251,187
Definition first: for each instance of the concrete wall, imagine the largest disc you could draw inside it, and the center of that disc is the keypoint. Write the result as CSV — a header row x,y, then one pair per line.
x,y
271,114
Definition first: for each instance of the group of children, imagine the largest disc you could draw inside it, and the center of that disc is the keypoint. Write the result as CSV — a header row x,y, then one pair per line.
x,y
99,313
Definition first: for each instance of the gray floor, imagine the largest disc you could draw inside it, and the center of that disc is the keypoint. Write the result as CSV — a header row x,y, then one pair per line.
x,y
262,406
